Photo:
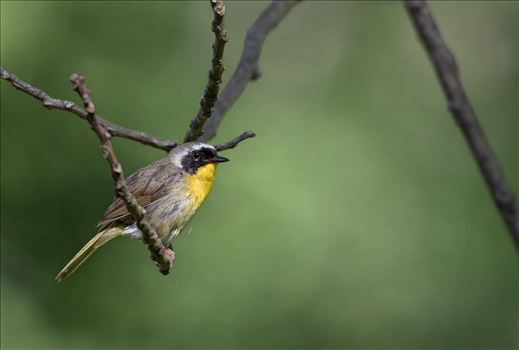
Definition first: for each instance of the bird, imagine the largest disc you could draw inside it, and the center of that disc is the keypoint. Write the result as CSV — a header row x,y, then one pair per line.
x,y
170,189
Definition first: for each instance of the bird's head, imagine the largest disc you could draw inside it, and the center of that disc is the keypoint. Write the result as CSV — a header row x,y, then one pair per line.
x,y
191,156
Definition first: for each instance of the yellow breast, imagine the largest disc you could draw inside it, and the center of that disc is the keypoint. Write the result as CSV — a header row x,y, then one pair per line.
x,y
199,184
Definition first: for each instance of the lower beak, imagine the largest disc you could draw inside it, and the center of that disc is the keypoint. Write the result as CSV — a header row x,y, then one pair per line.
x,y
217,159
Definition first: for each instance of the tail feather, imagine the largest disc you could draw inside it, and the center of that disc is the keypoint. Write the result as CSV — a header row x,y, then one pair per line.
x,y
100,239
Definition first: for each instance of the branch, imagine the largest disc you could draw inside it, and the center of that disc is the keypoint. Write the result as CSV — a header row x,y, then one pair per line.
x,y
215,74
248,67
234,142
163,259
463,113
113,129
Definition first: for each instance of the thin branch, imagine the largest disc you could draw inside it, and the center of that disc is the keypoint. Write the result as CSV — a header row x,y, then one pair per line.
x,y
65,105
215,74
159,253
463,113
54,103
234,142
248,67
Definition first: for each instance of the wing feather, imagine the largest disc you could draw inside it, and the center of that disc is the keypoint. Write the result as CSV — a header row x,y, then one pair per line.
x,y
147,185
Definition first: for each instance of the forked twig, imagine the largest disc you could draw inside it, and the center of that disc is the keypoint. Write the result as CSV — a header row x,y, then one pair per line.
x,y
248,67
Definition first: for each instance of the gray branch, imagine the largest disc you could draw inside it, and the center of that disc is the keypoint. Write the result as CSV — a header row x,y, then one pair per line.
x,y
234,142
448,73
54,103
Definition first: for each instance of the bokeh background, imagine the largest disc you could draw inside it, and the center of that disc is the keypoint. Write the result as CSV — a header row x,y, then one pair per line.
x,y
356,219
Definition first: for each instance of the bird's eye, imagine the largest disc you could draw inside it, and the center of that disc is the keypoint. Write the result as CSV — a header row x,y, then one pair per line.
x,y
196,155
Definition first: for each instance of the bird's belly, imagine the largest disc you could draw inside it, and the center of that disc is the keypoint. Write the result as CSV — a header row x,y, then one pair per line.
x,y
171,216
168,231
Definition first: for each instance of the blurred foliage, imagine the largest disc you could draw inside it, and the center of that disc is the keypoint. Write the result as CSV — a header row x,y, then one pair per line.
x,y
356,219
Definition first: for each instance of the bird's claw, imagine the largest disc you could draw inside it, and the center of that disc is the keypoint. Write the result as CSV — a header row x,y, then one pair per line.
x,y
169,254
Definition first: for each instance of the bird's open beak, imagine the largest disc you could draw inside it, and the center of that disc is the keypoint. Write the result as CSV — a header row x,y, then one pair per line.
x,y
217,159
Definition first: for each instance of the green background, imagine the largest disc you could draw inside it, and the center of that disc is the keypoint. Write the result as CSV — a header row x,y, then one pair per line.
x,y
355,219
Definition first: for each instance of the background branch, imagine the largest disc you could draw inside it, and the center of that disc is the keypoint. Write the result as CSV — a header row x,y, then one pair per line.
x,y
54,103
160,254
463,113
215,74
248,67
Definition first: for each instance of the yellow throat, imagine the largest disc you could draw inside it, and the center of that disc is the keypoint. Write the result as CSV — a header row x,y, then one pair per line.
x,y
199,184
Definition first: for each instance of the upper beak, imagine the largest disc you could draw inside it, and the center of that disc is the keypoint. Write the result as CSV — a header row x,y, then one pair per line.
x,y
217,159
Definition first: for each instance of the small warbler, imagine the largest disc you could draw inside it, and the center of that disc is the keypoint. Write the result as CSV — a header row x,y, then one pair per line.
x,y
170,189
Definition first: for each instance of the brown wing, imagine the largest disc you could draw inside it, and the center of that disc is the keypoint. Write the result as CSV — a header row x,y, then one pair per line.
x,y
147,185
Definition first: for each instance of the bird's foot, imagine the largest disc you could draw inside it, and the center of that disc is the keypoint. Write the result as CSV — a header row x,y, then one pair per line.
x,y
169,255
